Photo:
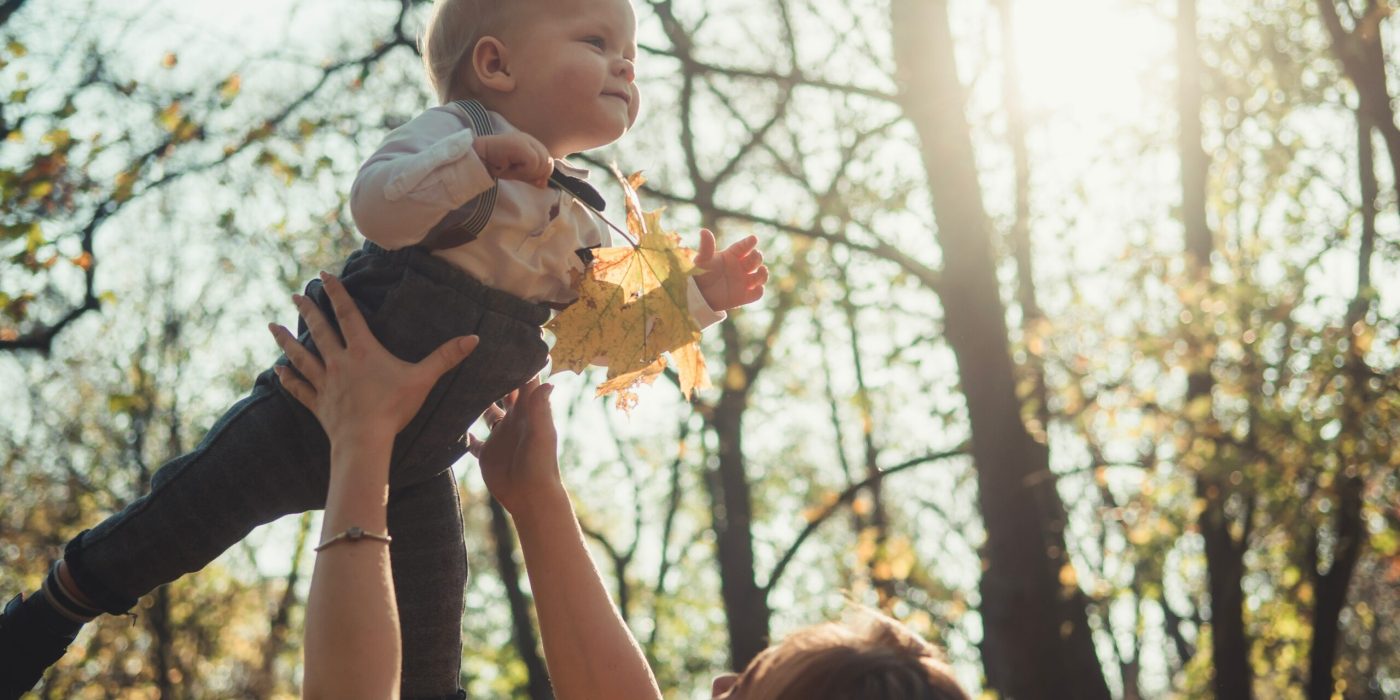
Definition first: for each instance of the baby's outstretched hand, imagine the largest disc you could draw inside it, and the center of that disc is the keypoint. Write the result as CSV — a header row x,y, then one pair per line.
x,y
515,156
733,277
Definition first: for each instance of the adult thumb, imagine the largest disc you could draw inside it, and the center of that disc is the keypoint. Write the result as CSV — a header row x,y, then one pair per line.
x,y
448,355
540,408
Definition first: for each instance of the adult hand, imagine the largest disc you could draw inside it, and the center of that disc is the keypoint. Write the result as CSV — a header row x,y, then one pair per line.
x,y
519,461
356,387
732,278
515,156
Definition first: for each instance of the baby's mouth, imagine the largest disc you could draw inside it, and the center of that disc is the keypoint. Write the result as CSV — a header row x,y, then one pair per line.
x,y
619,95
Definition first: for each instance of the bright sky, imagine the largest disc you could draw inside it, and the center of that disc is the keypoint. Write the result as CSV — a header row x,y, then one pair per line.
x,y
1088,56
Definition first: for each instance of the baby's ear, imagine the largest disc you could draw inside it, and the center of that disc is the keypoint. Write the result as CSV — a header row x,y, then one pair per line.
x,y
489,65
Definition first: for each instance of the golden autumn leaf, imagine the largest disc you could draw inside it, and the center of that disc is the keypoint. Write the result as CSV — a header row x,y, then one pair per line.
x,y
230,88
690,365
632,308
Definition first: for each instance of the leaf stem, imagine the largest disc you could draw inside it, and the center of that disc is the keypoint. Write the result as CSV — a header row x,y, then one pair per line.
x,y
605,220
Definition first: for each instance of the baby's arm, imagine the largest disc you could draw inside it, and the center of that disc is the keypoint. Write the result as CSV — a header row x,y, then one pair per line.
x,y
423,170
432,166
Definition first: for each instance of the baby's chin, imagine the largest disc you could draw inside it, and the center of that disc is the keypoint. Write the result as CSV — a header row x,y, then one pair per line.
x,y
598,139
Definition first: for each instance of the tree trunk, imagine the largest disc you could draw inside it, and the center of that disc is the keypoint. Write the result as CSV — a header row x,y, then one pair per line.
x,y
1224,556
745,605
1037,639
266,681
1033,325
1330,587
1363,60
163,642
522,624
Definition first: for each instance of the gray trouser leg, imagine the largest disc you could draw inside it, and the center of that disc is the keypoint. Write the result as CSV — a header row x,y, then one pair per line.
x,y
263,459
430,572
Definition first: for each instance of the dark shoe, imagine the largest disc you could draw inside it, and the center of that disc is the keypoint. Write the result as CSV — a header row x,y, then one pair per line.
x,y
33,637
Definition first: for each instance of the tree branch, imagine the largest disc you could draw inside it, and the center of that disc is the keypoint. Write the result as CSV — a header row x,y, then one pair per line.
x,y
794,77
41,338
844,499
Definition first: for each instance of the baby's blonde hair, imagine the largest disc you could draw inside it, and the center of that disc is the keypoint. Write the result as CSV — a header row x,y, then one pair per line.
x,y
453,29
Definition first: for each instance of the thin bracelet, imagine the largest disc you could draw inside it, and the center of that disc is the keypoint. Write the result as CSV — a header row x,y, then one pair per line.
x,y
354,534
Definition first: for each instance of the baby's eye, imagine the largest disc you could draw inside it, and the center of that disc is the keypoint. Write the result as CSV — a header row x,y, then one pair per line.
x,y
595,41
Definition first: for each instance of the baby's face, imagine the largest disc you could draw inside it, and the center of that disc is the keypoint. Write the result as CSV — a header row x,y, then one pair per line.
x,y
573,67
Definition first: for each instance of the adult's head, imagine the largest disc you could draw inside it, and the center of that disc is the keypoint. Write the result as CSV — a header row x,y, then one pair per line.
x,y
871,657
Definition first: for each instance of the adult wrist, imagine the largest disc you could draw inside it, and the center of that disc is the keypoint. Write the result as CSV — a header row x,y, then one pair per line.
x,y
543,504
362,437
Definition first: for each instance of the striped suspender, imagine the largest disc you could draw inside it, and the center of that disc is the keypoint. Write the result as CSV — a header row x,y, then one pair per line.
x,y
462,225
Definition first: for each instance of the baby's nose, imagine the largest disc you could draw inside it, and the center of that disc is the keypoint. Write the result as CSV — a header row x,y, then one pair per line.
x,y
627,70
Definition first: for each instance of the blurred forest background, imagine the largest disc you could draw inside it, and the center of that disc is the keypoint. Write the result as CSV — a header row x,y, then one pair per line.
x,y
1081,354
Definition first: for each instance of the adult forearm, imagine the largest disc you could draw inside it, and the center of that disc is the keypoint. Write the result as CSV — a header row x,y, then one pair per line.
x,y
589,649
351,612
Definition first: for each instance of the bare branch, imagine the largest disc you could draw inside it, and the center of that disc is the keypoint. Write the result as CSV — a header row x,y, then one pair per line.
x,y
795,77
41,338
926,275
844,499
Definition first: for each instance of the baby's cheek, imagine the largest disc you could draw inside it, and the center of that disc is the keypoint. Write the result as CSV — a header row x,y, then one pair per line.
x,y
634,106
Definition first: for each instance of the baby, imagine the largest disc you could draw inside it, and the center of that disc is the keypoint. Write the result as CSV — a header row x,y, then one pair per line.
x,y
476,225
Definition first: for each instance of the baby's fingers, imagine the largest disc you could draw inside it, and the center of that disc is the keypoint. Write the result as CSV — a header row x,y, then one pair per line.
x,y
302,359
754,291
707,248
750,261
759,277
742,247
535,166
544,166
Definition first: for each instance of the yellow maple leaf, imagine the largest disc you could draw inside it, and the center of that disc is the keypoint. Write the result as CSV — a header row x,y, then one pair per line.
x,y
632,308
690,365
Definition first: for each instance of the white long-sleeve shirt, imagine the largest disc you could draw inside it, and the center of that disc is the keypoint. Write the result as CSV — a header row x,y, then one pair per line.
x,y
426,175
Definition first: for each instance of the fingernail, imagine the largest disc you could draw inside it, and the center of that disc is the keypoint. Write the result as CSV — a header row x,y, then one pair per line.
x,y
325,276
